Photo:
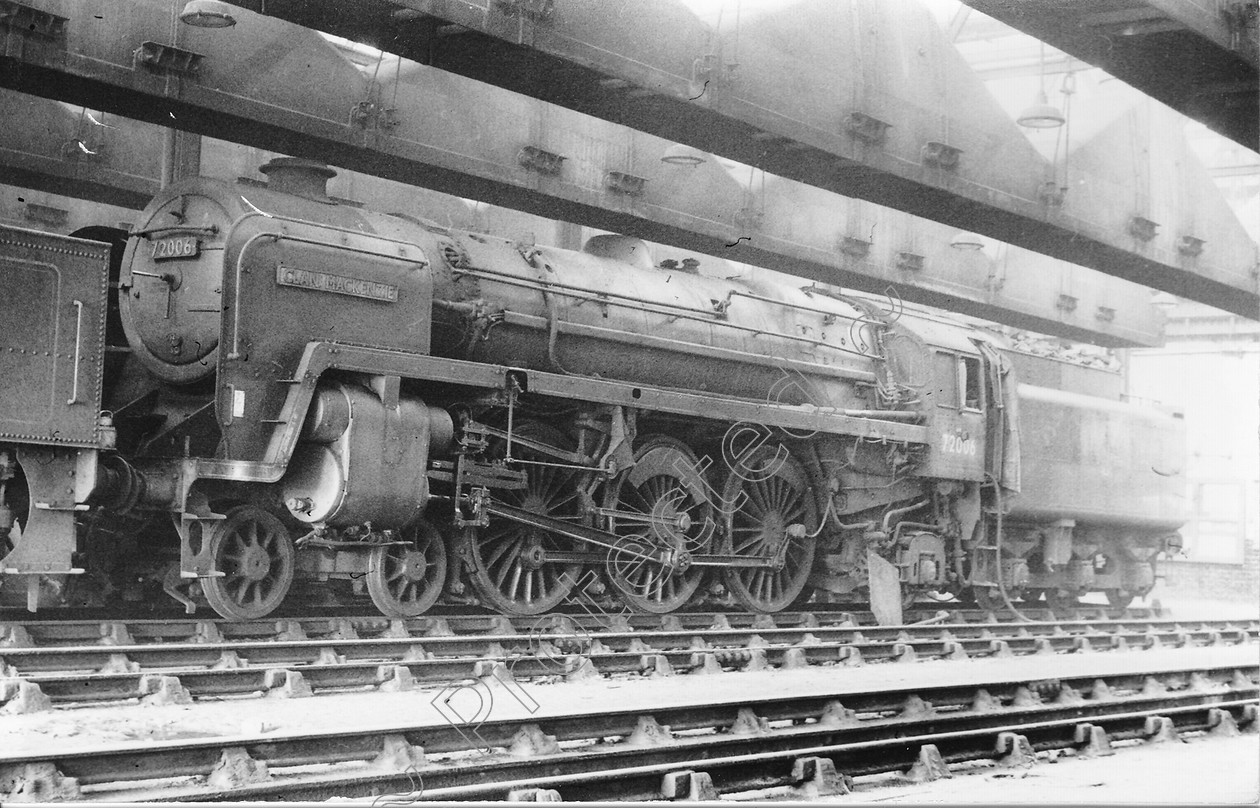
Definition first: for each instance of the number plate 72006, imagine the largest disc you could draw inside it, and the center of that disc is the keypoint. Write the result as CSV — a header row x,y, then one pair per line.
x,y
176,247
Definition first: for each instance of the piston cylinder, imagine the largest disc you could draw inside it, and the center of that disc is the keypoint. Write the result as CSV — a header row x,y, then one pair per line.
x,y
361,461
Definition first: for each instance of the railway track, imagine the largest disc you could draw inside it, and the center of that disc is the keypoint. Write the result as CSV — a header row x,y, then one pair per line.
x,y
811,741
584,607
160,661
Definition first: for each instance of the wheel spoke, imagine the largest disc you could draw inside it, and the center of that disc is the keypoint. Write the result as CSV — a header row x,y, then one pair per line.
x,y
757,501
777,491
515,585
555,506
499,550
506,568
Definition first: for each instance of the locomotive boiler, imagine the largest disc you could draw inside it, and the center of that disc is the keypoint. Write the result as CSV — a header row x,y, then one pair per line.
x,y
273,387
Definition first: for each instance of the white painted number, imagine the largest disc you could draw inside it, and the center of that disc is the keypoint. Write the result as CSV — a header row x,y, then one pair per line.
x,y
956,445
179,247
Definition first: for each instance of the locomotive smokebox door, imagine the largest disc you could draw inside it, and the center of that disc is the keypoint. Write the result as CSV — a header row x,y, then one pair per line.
x,y
169,290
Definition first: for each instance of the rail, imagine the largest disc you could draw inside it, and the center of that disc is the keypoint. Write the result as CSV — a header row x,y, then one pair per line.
x,y
82,662
669,749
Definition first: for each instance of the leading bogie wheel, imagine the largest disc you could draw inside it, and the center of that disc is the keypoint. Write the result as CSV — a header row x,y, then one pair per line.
x,y
772,517
254,551
509,567
664,517
405,577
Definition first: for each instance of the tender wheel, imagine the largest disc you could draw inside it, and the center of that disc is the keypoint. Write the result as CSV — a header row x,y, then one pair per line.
x,y
911,596
770,493
1060,601
253,550
404,580
988,598
510,570
1119,598
666,518
950,595
1033,598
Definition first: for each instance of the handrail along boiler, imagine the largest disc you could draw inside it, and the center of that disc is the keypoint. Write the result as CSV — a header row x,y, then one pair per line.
x,y
273,386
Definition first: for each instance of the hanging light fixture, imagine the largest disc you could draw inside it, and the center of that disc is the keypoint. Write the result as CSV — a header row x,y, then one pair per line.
x,y
1041,115
681,154
207,14
968,242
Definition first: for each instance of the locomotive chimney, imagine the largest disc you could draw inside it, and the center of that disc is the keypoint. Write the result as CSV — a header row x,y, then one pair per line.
x,y
299,177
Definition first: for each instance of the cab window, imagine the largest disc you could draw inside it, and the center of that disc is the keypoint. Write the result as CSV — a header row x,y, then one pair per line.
x,y
969,370
946,376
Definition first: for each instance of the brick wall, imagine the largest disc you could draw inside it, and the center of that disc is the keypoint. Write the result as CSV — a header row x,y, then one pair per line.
x,y
1210,581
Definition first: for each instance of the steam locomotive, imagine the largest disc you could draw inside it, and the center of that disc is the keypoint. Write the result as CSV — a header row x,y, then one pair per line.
x,y
270,386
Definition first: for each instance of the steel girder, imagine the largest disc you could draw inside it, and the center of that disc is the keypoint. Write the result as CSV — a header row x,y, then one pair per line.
x,y
428,127
1201,57
866,98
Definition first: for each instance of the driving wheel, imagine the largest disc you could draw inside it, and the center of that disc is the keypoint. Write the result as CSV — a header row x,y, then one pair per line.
x,y
510,568
773,518
254,551
663,516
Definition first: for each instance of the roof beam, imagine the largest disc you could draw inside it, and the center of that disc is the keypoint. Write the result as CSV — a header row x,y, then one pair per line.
x,y
787,105
458,136
1165,48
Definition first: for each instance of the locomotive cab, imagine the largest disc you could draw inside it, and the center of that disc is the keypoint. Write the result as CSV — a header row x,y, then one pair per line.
x,y
959,407
958,399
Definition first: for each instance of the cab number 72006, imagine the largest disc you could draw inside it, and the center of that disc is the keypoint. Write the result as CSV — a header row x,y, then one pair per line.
x,y
956,444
